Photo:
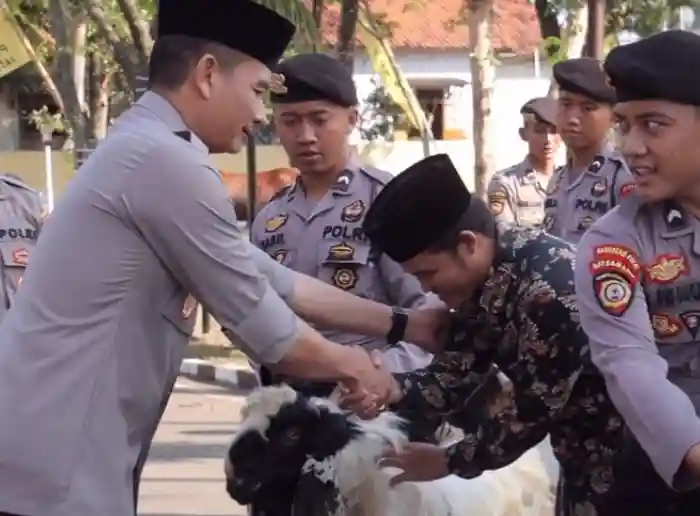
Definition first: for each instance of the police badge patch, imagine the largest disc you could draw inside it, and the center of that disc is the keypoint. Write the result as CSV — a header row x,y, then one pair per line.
x,y
599,188
665,326
344,181
616,273
596,164
691,321
344,278
353,211
276,222
497,201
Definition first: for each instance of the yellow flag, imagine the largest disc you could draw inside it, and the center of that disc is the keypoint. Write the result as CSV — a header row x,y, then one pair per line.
x,y
13,54
385,65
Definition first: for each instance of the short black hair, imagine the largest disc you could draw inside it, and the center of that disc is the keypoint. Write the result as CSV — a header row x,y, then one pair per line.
x,y
477,218
173,56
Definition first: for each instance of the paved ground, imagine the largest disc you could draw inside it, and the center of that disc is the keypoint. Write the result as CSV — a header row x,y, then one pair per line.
x,y
184,474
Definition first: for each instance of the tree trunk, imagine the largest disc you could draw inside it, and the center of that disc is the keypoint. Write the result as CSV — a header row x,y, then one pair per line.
x,y
483,75
317,7
139,29
574,37
79,68
62,28
100,87
345,47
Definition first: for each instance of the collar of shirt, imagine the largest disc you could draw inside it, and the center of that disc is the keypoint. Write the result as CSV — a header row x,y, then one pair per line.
x,y
346,183
159,106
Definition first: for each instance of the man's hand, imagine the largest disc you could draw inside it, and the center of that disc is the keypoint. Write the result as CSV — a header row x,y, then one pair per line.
x,y
365,404
369,382
692,462
427,328
420,462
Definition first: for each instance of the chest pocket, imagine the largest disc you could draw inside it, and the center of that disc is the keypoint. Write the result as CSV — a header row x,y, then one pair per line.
x,y
347,266
530,205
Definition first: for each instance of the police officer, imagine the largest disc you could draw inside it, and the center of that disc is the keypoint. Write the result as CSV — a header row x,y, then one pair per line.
x,y
21,216
315,225
638,276
595,177
89,350
517,194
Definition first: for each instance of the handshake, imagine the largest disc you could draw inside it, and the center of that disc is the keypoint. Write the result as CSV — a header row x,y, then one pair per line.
x,y
372,388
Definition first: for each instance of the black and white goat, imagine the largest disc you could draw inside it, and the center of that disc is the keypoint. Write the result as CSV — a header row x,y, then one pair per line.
x,y
304,453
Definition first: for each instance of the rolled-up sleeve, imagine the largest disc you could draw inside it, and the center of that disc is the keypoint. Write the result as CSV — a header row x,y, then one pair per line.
x,y
615,317
181,208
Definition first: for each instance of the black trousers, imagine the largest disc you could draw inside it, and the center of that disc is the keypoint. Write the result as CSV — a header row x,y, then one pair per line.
x,y
639,490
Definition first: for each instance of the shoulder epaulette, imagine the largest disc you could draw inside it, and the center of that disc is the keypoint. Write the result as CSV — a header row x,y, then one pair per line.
x,y
16,181
282,192
379,175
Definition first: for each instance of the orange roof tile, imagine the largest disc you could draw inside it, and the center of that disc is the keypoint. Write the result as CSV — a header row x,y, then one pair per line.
x,y
440,25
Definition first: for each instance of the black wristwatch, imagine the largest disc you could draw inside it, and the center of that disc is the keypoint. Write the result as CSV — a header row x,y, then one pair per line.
x,y
399,320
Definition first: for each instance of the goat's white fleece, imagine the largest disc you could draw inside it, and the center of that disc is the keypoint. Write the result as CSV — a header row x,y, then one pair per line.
x,y
524,488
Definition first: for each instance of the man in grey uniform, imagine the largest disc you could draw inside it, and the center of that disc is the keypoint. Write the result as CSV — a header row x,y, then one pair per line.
x,y
21,215
638,277
315,226
90,348
595,177
517,194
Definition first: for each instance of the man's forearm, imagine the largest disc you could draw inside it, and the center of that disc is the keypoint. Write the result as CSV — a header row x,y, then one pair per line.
x,y
315,358
330,307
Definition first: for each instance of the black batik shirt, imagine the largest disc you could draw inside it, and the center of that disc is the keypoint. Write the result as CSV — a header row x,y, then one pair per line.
x,y
524,321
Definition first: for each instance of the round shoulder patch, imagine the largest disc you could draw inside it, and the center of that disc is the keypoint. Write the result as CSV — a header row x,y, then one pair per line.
x,y
616,272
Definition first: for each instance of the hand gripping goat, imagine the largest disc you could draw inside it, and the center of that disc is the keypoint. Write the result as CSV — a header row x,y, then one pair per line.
x,y
305,457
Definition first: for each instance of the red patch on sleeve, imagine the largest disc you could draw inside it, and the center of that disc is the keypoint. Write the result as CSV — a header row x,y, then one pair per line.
x,y
616,272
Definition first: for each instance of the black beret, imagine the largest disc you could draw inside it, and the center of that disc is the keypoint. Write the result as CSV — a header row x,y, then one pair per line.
x,y
417,208
544,108
665,66
585,76
242,25
315,77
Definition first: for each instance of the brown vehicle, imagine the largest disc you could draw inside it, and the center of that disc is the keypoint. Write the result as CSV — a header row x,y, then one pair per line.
x,y
268,183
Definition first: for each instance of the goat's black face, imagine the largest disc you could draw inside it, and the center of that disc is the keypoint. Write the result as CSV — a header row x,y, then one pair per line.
x,y
273,454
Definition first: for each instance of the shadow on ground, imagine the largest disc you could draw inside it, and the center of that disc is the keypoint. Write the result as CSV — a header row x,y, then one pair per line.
x,y
183,450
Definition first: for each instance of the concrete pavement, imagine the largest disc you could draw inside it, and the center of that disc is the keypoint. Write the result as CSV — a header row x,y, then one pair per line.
x,y
184,474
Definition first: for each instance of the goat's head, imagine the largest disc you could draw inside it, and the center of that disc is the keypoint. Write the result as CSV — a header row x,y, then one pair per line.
x,y
285,435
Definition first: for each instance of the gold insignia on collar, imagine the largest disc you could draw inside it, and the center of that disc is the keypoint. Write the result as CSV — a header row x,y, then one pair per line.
x,y
277,84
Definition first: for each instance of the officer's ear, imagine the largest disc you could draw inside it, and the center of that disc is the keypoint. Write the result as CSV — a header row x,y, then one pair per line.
x,y
353,117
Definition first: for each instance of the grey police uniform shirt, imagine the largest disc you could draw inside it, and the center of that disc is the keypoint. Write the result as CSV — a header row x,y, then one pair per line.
x,y
638,292
517,195
96,336
21,215
573,205
325,240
